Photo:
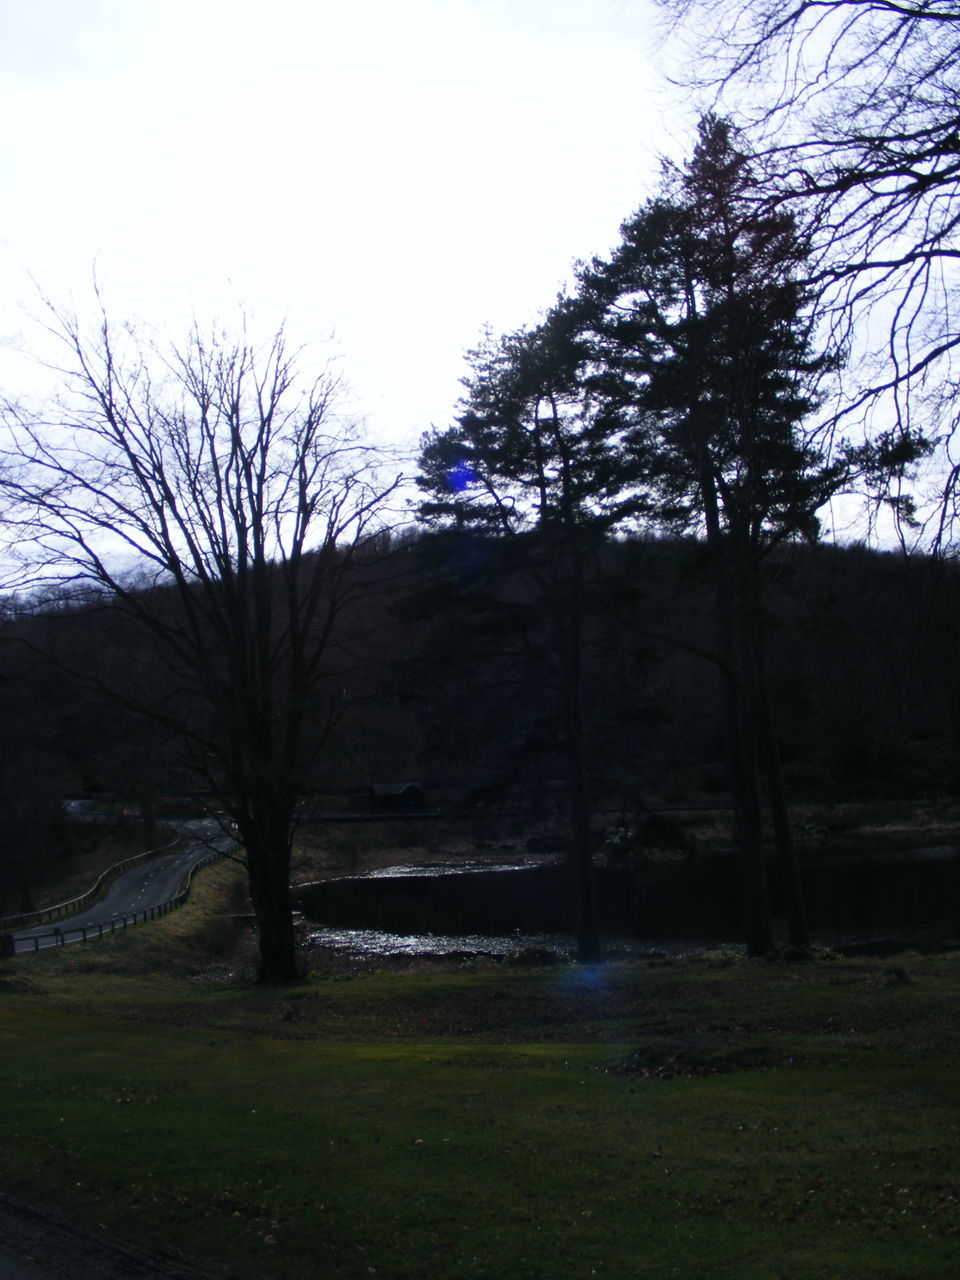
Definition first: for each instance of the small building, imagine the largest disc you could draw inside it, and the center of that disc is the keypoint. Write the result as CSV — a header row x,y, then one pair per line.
x,y
393,797
180,807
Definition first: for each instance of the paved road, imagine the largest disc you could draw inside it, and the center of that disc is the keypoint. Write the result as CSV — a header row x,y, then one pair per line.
x,y
137,890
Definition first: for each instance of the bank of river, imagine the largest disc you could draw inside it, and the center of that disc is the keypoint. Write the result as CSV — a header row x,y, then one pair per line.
x,y
518,948
663,907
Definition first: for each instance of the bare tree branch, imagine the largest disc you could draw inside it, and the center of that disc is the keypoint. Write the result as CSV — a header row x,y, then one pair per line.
x,y
215,500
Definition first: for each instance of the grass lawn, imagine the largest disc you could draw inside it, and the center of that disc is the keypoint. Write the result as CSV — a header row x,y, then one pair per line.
x,y
695,1120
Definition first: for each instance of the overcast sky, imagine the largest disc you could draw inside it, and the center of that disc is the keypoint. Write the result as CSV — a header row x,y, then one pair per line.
x,y
398,172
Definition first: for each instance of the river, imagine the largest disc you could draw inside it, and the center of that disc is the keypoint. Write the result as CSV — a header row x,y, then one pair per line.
x,y
664,908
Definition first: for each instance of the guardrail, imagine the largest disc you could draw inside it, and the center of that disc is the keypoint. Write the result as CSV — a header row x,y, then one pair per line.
x,y
82,933
29,918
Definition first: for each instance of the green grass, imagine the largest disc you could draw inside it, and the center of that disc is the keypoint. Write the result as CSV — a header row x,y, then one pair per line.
x,y
751,1121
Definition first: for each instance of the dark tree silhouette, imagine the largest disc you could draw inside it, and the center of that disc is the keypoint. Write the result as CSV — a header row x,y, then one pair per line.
x,y
217,505
533,462
701,329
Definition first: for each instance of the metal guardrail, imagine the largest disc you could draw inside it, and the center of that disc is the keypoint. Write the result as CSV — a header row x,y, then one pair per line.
x,y
29,918
82,933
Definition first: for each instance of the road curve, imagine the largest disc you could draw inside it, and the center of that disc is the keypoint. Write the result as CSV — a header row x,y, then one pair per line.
x,y
139,890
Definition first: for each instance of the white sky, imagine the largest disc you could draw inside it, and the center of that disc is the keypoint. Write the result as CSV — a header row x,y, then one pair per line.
x,y
396,171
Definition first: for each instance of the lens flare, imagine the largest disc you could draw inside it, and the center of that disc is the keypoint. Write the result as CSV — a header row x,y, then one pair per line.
x,y
461,477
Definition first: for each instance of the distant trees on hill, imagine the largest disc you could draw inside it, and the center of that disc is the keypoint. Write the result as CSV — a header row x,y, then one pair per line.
x,y
862,663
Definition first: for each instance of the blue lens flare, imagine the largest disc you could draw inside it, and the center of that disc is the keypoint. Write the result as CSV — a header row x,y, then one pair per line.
x,y
461,477
589,977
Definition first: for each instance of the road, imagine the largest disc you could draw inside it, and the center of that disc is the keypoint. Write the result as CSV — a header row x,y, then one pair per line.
x,y
136,891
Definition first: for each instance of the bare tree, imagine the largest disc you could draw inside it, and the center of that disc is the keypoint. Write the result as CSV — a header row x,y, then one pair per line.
x,y
861,103
217,504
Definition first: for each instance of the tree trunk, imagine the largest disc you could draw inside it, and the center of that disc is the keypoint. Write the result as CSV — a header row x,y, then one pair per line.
x,y
740,729
743,771
798,931
26,897
268,865
569,634
587,924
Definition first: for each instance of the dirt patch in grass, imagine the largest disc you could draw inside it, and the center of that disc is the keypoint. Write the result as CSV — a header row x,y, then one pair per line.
x,y
694,1055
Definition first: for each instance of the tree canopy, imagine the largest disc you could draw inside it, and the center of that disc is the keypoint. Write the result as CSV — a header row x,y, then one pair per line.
x,y
858,101
702,330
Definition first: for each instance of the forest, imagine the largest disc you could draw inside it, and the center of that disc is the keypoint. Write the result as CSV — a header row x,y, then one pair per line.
x,y
437,683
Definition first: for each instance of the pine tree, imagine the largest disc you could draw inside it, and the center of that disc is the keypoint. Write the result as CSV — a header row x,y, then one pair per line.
x,y
700,330
537,465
